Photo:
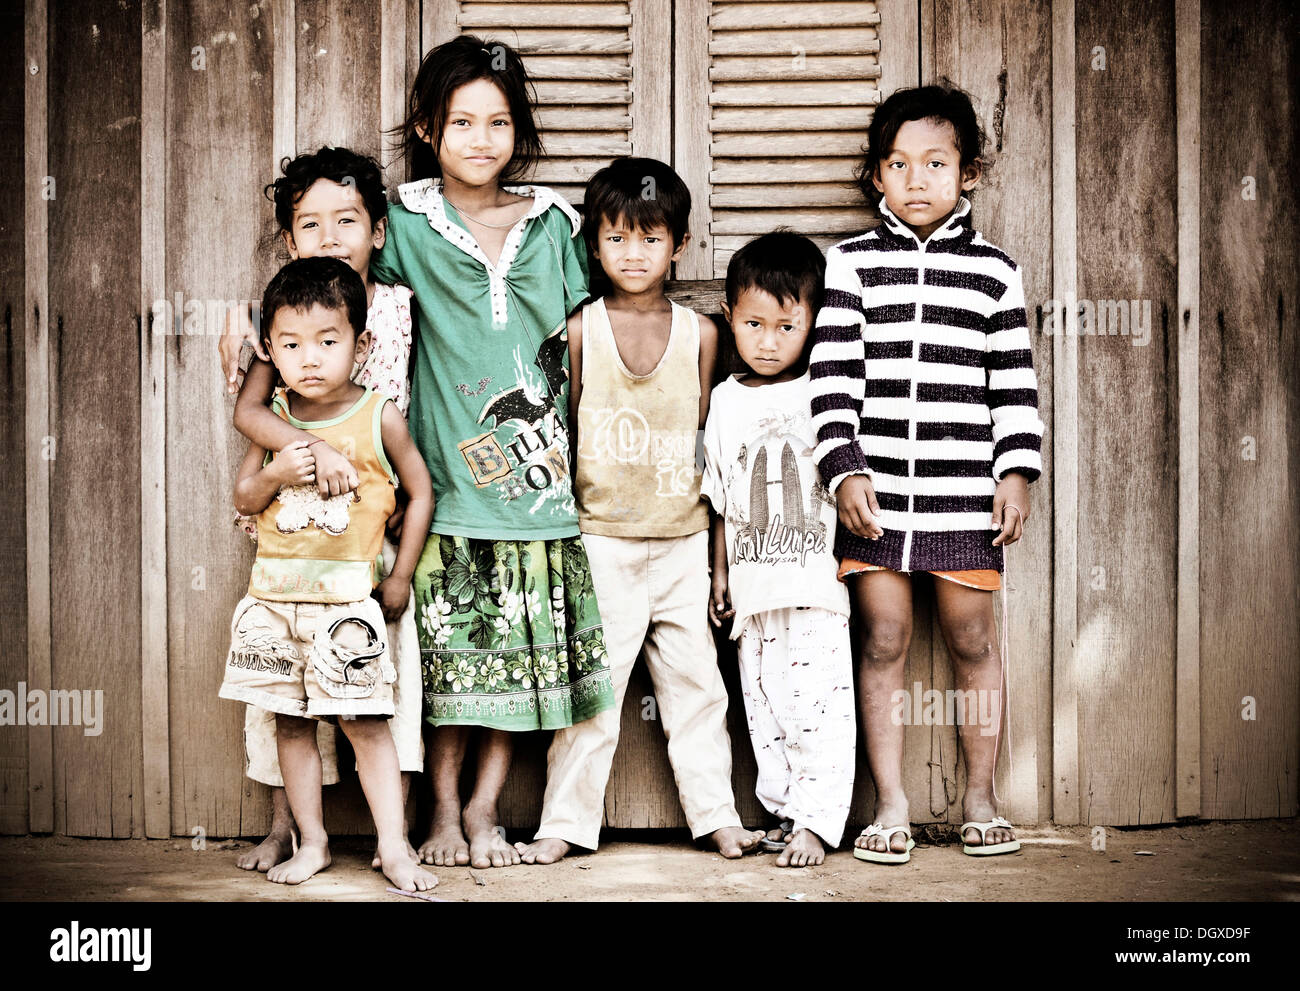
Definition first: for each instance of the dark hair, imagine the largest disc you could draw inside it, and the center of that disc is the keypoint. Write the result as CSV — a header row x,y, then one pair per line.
x,y
340,165
307,282
786,265
444,70
941,102
642,192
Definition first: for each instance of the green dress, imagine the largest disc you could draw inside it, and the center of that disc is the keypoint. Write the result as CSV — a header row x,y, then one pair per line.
x,y
509,627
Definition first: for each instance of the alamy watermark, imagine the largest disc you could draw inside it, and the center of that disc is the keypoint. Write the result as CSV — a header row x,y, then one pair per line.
x,y
950,707
1129,318
56,707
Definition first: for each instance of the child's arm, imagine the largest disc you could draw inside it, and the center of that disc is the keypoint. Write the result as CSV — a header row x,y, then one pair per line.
x,y
256,486
394,591
574,328
1013,406
838,372
254,419
238,329
708,359
720,596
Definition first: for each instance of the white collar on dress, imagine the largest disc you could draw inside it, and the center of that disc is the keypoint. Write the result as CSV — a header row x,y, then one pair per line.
x,y
957,221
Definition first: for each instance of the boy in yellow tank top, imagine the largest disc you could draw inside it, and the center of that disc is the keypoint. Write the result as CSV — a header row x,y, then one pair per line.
x,y
309,642
640,368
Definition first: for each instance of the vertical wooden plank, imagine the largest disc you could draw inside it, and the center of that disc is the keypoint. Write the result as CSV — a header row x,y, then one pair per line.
x,y
993,49
900,36
284,134
1187,704
1250,417
652,49
155,714
220,138
393,58
13,415
95,485
437,23
40,754
1066,805
691,130
1127,441
337,101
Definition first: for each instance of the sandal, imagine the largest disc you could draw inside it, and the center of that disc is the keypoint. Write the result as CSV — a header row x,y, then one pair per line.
x,y
986,850
890,856
786,826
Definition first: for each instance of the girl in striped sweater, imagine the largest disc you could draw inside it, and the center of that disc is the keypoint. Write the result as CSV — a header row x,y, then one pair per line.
x,y
926,410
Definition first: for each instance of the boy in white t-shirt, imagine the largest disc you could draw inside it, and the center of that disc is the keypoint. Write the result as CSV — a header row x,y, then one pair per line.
x,y
772,534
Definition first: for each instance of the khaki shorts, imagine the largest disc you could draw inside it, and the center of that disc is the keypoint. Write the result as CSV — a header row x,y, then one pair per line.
x,y
310,659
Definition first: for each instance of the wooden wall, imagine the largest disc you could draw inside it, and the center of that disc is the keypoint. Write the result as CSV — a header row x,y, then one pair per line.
x,y
1151,604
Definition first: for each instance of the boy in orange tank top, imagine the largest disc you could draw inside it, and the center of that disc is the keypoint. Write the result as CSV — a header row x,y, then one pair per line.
x,y
309,642
641,367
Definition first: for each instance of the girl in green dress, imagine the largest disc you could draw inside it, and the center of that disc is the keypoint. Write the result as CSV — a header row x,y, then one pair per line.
x,y
510,633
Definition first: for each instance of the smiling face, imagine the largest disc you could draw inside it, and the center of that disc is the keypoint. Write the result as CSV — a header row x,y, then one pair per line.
x,y
478,138
922,177
770,334
635,260
330,220
314,350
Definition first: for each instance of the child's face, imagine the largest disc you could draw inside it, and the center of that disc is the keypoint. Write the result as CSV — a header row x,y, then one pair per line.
x,y
331,220
636,260
922,177
314,350
478,138
770,334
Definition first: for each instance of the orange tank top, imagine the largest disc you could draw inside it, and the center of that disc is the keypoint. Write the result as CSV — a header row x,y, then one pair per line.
x,y
314,549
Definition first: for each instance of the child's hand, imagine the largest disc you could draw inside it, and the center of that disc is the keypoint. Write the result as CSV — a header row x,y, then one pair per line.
x,y
294,465
857,506
238,329
393,594
720,600
334,473
1010,507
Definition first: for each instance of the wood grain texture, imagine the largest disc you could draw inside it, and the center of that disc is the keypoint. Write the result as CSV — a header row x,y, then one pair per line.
x,y
1250,294
13,418
339,79
95,321
651,35
1128,526
221,126
1187,700
992,49
1066,805
691,130
154,709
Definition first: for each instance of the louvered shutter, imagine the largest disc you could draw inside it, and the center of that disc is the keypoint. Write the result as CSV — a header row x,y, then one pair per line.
x,y
773,102
593,65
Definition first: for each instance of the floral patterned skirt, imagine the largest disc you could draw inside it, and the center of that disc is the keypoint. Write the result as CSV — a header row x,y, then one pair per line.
x,y
510,634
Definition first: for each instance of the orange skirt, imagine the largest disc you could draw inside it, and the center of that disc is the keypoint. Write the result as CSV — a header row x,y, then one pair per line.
x,y
984,579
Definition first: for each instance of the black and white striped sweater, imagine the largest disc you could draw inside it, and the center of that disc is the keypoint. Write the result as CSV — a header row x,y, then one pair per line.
x,y
923,380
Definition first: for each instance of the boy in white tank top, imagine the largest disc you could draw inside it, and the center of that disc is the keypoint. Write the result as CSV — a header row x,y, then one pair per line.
x,y
641,367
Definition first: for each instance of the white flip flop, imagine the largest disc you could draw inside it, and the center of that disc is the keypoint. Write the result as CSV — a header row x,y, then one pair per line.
x,y
891,857
985,850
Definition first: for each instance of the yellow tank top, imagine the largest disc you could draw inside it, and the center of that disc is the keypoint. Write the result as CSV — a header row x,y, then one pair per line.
x,y
636,472
313,549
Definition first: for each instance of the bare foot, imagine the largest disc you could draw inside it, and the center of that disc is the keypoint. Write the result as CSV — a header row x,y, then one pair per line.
x,y
307,862
803,849
544,851
735,841
446,846
487,847
402,867
376,860
275,849
889,812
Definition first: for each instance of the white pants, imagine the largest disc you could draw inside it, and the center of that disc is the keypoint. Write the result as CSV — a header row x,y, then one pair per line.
x,y
796,672
259,724
651,591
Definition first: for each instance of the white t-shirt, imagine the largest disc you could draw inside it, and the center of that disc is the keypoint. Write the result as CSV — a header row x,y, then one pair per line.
x,y
760,476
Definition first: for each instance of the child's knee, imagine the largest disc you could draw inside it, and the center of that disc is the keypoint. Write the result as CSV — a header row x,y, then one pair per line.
x,y
294,728
972,641
884,641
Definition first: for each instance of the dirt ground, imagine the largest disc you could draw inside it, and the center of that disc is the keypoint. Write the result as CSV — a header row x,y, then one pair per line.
x,y
1236,861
